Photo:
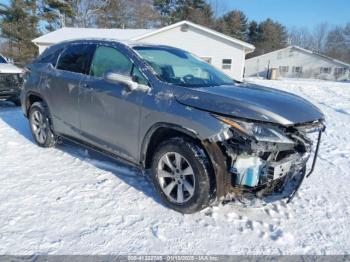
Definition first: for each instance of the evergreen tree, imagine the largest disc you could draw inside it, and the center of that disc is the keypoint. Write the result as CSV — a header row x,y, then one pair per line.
x,y
197,11
253,32
234,24
271,36
54,13
165,9
19,25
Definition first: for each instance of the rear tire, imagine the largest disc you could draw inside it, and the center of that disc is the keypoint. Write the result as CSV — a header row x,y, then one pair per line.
x,y
181,174
40,125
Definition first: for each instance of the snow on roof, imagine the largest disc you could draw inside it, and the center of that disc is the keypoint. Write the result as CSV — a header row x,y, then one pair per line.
x,y
321,55
306,51
70,33
248,47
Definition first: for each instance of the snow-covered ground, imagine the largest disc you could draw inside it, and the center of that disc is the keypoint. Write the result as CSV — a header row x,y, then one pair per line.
x,y
66,200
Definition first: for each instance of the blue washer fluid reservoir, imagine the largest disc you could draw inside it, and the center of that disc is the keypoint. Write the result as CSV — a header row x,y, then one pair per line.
x,y
248,170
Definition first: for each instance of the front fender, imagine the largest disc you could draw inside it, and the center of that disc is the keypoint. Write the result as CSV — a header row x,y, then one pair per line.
x,y
217,158
147,138
200,125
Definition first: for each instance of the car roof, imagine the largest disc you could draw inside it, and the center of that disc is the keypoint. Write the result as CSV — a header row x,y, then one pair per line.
x,y
107,40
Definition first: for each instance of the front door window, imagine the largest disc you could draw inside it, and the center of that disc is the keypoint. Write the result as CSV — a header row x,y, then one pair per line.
x,y
108,59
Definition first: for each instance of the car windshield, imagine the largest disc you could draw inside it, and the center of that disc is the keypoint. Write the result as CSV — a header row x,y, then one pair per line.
x,y
179,67
2,60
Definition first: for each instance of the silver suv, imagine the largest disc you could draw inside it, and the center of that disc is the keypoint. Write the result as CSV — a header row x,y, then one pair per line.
x,y
199,135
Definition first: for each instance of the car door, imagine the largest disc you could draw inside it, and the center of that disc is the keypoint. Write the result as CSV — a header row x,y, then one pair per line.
x,y
62,87
109,112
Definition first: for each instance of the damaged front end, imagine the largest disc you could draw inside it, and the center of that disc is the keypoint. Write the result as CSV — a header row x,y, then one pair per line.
x,y
265,160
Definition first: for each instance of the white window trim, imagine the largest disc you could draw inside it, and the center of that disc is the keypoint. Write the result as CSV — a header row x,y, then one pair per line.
x,y
283,67
295,71
343,70
322,70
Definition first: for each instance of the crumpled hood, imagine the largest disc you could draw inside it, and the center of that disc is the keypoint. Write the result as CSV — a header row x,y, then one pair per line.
x,y
9,69
251,102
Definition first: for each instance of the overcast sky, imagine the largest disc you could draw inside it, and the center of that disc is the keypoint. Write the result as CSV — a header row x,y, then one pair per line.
x,y
300,13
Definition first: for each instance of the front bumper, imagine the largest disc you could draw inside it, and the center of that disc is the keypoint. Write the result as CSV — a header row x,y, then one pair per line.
x,y
308,173
284,177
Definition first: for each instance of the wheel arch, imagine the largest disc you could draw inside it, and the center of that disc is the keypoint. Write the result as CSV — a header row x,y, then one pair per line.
x,y
32,97
158,133
162,131
217,158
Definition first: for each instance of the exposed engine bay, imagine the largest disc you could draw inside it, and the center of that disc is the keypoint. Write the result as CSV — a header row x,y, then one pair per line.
x,y
264,159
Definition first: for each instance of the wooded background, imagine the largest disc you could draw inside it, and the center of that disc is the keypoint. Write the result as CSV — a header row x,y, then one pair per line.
x,y
23,20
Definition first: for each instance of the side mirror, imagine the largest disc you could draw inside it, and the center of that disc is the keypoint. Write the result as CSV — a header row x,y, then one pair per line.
x,y
121,79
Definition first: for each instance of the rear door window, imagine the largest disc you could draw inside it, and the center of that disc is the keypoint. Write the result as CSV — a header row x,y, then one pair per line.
x,y
108,59
76,58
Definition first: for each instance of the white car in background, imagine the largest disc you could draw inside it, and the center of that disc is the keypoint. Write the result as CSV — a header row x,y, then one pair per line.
x,y
11,78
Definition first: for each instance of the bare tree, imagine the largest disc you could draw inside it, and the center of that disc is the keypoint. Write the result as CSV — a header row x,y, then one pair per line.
x,y
86,12
314,40
301,37
142,14
320,35
219,7
113,14
337,43
126,14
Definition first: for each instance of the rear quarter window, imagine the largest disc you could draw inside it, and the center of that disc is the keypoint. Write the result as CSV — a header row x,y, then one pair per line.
x,y
50,58
76,58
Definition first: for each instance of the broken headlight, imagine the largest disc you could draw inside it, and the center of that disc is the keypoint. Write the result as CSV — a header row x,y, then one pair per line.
x,y
259,132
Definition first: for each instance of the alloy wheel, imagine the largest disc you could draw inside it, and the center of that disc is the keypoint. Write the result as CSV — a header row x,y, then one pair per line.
x,y
39,126
176,178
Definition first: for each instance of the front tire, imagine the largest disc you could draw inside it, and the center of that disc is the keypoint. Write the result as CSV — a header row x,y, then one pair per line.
x,y
181,174
40,125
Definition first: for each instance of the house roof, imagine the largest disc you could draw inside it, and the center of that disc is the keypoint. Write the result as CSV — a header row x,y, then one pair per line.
x,y
69,33
248,47
305,51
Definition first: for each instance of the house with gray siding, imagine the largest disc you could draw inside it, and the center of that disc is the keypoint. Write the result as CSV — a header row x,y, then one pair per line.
x,y
297,62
